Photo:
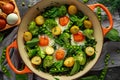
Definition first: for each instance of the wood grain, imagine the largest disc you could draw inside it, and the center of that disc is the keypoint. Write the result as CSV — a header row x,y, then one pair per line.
x,y
16,11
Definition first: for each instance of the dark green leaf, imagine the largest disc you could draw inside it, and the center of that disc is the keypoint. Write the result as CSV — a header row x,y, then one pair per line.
x,y
113,35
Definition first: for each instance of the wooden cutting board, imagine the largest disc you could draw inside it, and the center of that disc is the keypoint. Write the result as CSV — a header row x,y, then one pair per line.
x,y
16,11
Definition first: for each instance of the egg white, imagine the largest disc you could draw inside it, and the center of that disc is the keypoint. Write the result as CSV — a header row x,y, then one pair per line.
x,y
51,42
77,43
62,27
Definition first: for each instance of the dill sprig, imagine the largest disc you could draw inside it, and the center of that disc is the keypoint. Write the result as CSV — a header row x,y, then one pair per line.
x,y
113,5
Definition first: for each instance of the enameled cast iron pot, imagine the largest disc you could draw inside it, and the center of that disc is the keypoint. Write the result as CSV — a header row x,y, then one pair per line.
x,y
99,33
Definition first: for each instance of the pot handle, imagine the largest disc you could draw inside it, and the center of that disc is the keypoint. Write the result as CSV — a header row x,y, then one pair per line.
x,y
105,30
25,70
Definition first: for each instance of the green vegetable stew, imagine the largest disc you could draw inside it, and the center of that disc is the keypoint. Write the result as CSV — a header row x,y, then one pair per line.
x,y
60,40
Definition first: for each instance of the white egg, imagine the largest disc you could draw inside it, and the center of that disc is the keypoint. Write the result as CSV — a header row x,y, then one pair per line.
x,y
62,27
12,18
51,42
76,43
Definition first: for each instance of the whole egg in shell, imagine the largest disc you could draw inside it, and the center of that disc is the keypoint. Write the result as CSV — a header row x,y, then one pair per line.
x,y
12,18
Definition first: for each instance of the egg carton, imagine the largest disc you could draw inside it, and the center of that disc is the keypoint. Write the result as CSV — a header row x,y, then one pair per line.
x,y
9,18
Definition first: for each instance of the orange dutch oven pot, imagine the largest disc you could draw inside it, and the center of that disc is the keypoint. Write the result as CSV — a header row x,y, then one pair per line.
x,y
99,33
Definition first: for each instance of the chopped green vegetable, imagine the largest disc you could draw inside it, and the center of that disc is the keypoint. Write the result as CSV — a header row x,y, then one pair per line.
x,y
40,52
53,12
50,23
63,39
81,57
78,21
48,61
88,33
31,52
75,68
33,28
33,42
58,64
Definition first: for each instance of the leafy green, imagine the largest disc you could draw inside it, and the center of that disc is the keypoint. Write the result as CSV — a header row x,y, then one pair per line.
x,y
77,21
58,64
53,12
63,39
31,52
32,42
50,23
113,35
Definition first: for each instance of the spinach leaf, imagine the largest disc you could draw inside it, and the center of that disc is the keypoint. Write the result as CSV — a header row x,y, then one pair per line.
x,y
113,35
53,12
50,23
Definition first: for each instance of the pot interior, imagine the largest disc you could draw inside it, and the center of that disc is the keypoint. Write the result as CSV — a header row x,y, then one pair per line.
x,y
39,7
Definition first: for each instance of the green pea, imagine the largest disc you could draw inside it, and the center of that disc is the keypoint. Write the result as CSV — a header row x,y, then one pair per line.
x,y
23,3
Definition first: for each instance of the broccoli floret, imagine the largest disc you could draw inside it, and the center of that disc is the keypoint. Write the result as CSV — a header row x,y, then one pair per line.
x,y
88,33
48,61
62,11
33,28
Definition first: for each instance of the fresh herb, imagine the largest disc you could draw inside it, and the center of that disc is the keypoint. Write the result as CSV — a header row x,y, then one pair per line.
x,y
112,5
50,23
53,12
